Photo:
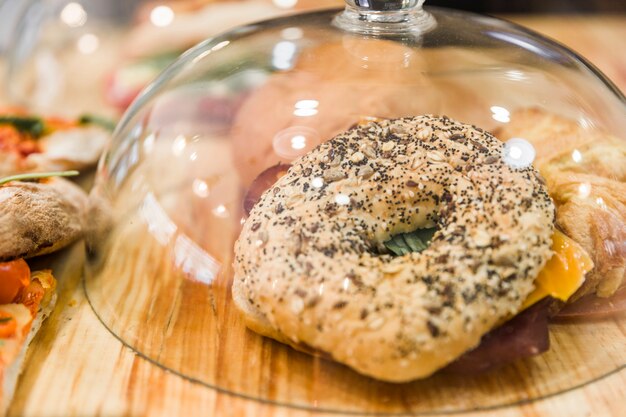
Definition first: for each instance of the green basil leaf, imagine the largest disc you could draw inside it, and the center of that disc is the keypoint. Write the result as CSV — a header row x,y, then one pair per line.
x,y
415,241
90,119
37,175
27,124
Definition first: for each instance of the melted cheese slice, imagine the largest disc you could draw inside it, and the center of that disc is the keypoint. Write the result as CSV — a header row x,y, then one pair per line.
x,y
564,273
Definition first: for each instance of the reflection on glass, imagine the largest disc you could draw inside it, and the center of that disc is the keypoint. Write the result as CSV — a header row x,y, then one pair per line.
x,y
518,153
342,199
292,34
516,75
159,223
305,108
194,261
285,4
88,43
284,53
162,16
317,182
584,190
74,15
179,145
200,188
500,114
295,141
221,211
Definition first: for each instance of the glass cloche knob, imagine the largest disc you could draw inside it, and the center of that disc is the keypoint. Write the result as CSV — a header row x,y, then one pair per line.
x,y
382,5
385,17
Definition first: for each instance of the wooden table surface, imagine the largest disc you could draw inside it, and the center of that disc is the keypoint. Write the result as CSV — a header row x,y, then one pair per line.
x,y
77,368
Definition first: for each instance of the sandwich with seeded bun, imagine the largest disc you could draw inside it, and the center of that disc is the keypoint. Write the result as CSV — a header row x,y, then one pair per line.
x,y
416,237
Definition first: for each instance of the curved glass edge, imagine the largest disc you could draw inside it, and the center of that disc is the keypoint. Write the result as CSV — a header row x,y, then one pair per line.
x,y
148,92
242,31
311,408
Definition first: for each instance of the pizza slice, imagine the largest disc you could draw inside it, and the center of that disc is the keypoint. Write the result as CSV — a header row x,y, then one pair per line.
x,y
39,214
26,300
31,143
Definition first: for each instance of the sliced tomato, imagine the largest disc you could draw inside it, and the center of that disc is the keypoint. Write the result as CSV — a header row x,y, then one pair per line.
x,y
31,296
14,277
11,140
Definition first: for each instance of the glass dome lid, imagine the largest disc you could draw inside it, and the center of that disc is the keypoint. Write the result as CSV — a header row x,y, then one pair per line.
x,y
386,209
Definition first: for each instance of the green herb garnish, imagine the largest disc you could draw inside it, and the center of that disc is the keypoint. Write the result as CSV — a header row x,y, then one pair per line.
x,y
37,175
415,241
26,124
5,319
90,119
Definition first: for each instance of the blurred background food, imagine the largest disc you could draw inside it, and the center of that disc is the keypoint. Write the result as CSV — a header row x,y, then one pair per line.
x,y
535,6
72,57
94,56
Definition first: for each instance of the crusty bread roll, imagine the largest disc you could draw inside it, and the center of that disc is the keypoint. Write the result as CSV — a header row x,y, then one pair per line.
x,y
39,218
310,264
585,170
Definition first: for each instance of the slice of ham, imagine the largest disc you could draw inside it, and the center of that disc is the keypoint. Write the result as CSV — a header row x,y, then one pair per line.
x,y
262,183
523,336
594,307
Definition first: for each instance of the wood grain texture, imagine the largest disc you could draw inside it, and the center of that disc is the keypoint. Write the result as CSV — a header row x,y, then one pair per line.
x,y
78,368
147,291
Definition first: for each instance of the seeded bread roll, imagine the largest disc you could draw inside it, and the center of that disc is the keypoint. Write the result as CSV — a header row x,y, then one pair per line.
x,y
311,268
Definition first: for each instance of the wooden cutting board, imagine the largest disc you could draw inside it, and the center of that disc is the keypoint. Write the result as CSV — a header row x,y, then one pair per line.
x,y
77,367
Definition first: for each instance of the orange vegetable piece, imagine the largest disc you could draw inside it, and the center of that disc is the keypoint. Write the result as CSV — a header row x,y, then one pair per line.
x,y
14,276
31,296
8,324
57,123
